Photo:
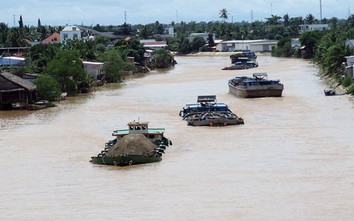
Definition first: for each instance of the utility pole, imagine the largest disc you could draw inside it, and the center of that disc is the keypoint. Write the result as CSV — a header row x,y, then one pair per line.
x,y
349,12
251,16
14,20
125,17
320,11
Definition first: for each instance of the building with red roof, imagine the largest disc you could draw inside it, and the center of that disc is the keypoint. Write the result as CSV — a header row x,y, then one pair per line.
x,y
53,39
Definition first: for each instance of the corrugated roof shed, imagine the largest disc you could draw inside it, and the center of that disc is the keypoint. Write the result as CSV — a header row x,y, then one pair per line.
x,y
16,80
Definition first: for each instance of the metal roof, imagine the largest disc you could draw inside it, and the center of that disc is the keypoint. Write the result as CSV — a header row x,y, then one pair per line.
x,y
19,81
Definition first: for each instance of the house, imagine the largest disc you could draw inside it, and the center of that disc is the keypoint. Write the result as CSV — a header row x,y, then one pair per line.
x,y
152,44
94,69
350,66
203,35
350,43
252,45
70,33
53,39
313,27
15,92
169,32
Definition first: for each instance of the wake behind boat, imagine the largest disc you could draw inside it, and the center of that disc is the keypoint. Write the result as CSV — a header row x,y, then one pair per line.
x,y
257,86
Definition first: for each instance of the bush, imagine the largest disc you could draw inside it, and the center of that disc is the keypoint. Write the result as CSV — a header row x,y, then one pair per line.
x,y
47,87
283,48
350,89
346,81
162,59
113,65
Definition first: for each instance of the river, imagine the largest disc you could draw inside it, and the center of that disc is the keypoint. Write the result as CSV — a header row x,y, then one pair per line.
x,y
293,159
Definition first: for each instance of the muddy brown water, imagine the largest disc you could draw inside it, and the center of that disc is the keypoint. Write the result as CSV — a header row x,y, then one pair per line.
x,y
292,160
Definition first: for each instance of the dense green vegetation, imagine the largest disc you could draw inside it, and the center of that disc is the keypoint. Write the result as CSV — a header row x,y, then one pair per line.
x,y
161,59
325,48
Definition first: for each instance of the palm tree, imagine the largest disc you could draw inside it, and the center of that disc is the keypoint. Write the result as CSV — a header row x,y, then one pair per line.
x,y
274,20
223,14
310,19
286,20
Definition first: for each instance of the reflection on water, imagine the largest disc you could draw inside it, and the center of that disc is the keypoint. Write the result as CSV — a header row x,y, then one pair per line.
x,y
292,160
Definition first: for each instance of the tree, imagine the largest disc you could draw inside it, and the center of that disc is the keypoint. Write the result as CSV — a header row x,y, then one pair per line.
x,y
223,14
310,19
41,54
124,29
173,44
47,87
350,22
334,57
146,32
162,59
68,70
131,48
113,66
4,29
310,39
15,38
283,48
197,43
185,46
211,42
274,20
20,22
39,23
286,20
159,29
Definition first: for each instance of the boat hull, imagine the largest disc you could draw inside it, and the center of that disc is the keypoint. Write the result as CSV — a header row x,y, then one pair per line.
x,y
125,160
256,91
215,122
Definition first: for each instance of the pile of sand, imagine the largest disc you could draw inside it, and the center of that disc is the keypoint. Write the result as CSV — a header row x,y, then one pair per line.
x,y
132,144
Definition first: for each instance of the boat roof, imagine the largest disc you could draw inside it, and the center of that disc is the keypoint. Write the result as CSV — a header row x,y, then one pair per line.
x,y
148,131
138,127
260,74
206,98
137,123
209,105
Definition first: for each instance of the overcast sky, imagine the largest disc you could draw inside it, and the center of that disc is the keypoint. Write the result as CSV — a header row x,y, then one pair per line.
x,y
112,12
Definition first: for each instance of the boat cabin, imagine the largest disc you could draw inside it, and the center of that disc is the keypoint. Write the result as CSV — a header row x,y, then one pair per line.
x,y
156,135
206,99
138,127
260,76
205,103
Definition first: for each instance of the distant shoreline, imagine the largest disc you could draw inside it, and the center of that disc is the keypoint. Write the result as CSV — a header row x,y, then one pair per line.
x,y
220,53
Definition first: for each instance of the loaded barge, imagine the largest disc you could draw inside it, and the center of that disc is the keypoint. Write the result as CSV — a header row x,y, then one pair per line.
x,y
257,86
136,145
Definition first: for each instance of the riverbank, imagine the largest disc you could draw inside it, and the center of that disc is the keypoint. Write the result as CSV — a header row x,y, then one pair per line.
x,y
333,84
223,53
